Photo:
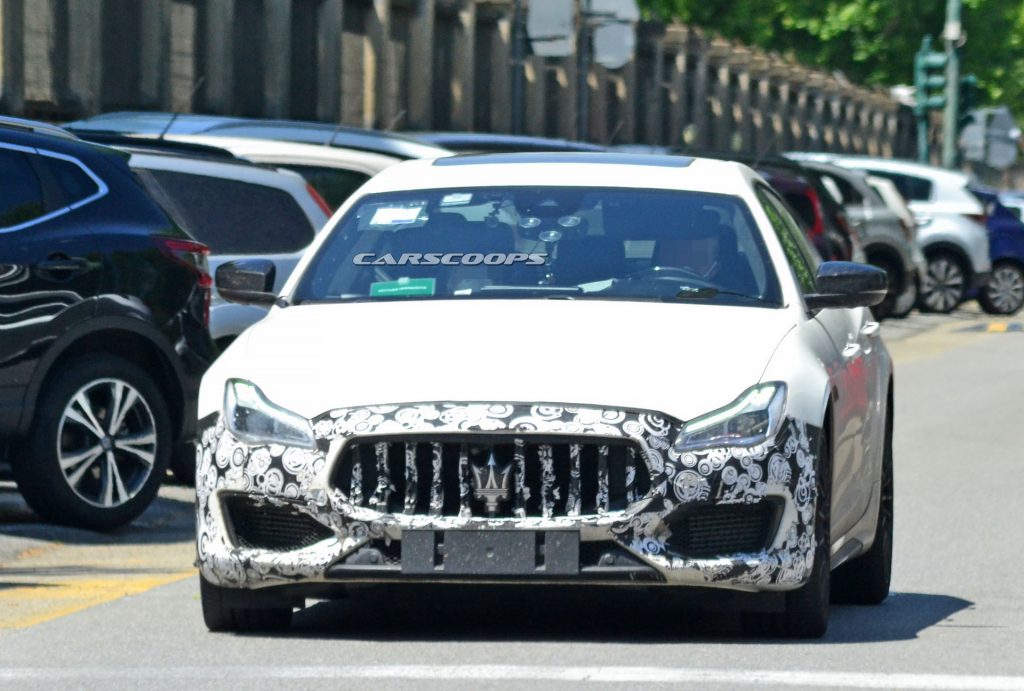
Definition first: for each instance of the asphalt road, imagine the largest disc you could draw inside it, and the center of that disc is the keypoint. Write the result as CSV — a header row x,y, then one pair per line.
x,y
79,610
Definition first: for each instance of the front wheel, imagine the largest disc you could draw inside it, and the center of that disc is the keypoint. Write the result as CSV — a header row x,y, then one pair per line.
x,y
221,611
1004,293
807,608
944,284
99,446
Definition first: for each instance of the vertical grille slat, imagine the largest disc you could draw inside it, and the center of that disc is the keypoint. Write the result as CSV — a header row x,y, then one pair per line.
x,y
384,486
574,499
465,487
630,475
548,491
522,493
498,476
602,479
436,479
355,493
411,478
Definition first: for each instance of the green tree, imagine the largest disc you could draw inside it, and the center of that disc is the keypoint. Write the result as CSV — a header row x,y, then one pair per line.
x,y
870,41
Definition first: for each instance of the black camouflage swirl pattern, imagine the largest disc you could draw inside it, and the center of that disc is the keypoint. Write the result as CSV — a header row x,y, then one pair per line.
x,y
783,468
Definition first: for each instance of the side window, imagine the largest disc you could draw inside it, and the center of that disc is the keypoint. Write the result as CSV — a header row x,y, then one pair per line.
x,y
794,244
21,195
912,188
335,185
72,179
232,216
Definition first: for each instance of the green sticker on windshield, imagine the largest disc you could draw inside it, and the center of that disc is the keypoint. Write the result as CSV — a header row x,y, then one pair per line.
x,y
403,287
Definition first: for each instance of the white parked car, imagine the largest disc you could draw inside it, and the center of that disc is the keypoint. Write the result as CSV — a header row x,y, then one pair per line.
x,y
950,222
238,210
553,368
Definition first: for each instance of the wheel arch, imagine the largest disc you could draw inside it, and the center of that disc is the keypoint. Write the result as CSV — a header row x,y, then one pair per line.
x,y
129,338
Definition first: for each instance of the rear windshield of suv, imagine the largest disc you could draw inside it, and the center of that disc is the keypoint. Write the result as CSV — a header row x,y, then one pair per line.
x,y
231,216
544,242
913,188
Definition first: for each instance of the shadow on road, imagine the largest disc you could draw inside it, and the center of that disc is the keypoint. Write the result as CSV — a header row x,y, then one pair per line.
x,y
170,518
586,614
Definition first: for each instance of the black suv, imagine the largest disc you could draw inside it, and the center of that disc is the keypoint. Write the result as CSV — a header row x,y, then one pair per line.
x,y
104,307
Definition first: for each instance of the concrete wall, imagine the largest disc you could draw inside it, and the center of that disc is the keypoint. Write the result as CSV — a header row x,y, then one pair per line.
x,y
420,65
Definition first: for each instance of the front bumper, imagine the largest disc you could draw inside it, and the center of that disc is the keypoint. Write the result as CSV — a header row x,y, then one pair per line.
x,y
780,473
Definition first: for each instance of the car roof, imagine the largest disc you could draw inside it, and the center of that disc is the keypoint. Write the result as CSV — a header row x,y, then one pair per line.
x,y
484,141
560,169
155,123
285,153
232,169
925,170
34,126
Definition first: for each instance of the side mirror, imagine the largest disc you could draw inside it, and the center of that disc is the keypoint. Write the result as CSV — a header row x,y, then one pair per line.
x,y
847,284
247,281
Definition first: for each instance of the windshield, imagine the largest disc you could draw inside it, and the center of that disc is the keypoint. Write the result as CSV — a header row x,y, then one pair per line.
x,y
544,242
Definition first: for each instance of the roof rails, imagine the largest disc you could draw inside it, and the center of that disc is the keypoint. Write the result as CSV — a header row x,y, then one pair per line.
x,y
35,127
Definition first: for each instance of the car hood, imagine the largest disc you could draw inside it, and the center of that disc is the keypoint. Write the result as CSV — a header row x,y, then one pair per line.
x,y
678,359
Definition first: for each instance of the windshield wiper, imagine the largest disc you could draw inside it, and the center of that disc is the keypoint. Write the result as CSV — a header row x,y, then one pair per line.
x,y
543,291
704,293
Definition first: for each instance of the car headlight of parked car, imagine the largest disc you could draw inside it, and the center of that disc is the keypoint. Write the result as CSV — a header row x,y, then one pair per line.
x,y
753,418
253,419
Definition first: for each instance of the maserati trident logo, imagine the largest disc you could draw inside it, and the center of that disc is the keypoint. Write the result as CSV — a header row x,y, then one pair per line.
x,y
493,484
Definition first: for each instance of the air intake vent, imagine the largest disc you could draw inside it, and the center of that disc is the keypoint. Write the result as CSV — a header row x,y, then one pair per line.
x,y
711,531
266,526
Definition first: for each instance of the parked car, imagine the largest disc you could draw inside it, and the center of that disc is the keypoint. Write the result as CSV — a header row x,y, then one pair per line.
x,y
745,443
950,221
104,309
334,172
887,191
1014,201
156,124
237,210
1004,293
489,142
886,243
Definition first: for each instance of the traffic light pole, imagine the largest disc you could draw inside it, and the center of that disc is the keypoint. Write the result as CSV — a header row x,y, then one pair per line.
x,y
950,114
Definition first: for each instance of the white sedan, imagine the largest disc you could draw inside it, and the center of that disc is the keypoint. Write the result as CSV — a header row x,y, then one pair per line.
x,y
552,368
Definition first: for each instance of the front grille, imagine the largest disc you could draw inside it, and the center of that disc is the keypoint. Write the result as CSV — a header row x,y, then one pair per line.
x,y
499,477
266,526
710,531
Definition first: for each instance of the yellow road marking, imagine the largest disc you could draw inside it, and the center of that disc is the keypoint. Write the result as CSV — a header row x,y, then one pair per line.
x,y
998,327
22,606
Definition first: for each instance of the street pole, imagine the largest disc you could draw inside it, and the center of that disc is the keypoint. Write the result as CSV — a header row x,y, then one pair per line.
x,y
950,116
518,58
583,73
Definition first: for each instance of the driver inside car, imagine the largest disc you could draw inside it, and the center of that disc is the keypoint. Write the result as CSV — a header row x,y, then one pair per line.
x,y
695,250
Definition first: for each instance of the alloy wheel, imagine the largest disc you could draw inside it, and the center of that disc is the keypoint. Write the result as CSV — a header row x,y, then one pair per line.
x,y
107,442
943,284
1006,289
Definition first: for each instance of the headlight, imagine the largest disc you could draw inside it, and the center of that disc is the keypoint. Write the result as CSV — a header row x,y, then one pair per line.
x,y
253,419
751,419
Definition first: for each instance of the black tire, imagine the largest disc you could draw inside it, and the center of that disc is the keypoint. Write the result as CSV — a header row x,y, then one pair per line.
x,y
884,309
944,284
806,614
865,580
183,465
134,480
219,616
1004,293
908,299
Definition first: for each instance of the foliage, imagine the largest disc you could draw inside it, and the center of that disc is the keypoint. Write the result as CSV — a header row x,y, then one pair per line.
x,y
870,41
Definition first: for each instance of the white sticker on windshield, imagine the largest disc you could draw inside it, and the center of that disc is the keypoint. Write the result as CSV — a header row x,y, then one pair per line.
x,y
395,215
457,199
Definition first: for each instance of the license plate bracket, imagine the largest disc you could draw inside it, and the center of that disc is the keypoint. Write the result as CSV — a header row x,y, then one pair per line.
x,y
491,552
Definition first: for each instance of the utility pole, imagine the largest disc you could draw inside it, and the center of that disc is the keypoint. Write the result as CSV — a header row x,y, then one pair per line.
x,y
950,114
518,58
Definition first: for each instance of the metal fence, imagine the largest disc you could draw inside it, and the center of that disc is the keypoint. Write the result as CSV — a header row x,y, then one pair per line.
x,y
419,65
